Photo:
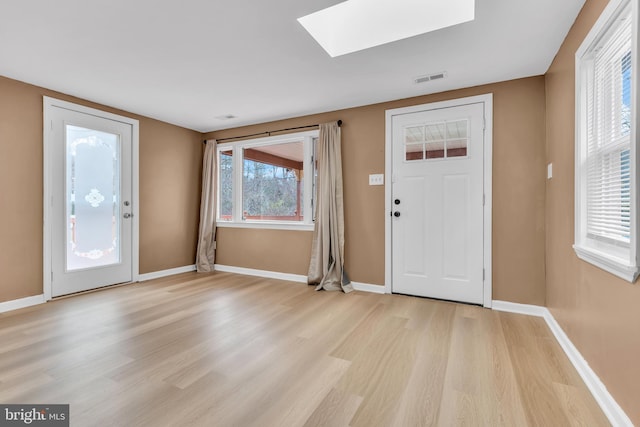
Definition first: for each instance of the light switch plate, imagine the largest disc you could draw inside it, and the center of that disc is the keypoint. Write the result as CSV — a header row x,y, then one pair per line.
x,y
376,179
549,170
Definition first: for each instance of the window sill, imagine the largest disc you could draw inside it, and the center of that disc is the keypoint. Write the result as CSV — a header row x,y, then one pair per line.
x,y
269,225
614,265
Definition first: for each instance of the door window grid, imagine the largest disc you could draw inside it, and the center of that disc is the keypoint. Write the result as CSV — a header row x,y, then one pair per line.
x,y
439,140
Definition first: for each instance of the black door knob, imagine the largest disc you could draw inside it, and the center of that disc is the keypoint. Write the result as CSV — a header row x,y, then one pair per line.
x,y
396,214
396,201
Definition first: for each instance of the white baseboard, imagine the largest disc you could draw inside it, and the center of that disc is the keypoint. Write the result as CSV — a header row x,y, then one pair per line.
x,y
609,406
364,287
512,307
165,273
21,303
261,273
367,287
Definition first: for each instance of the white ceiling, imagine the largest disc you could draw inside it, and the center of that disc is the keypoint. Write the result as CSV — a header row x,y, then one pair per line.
x,y
189,62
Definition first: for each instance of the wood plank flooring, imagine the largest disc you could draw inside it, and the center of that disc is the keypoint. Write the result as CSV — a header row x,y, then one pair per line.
x,y
229,350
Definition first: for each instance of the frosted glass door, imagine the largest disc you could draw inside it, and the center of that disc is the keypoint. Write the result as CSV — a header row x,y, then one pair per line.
x,y
91,201
93,198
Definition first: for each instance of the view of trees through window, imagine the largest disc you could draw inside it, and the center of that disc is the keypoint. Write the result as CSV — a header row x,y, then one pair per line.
x,y
270,192
272,185
226,185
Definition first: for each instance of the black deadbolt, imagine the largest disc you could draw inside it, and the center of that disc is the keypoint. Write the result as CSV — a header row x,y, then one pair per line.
x,y
396,201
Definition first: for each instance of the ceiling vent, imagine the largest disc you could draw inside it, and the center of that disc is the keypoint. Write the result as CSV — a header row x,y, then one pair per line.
x,y
430,77
226,117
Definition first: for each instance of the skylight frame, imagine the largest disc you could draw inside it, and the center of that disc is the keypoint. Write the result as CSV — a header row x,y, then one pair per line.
x,y
355,25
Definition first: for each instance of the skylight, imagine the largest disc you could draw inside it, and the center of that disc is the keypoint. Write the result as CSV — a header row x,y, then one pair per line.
x,y
355,25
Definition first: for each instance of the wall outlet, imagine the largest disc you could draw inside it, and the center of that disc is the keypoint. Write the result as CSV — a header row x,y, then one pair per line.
x,y
376,179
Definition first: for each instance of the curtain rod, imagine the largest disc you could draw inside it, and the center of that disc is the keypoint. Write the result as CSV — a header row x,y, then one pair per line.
x,y
268,133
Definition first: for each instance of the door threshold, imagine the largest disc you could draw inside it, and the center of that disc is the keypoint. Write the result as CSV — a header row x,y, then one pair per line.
x,y
89,291
439,299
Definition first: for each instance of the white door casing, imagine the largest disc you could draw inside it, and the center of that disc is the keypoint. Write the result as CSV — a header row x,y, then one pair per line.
x,y
90,198
439,244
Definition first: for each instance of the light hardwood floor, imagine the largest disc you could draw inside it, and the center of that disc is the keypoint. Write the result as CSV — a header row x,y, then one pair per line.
x,y
229,350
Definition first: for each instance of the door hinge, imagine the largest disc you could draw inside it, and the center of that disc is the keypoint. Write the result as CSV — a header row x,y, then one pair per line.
x,y
483,199
484,123
483,274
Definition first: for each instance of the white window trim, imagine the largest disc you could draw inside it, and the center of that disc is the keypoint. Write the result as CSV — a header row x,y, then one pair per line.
x,y
618,261
237,147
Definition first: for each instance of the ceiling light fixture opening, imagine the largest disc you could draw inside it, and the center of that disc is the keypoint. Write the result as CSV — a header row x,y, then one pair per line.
x,y
355,25
226,117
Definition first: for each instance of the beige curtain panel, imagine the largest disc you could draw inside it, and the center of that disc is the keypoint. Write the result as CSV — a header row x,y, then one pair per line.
x,y
206,253
326,269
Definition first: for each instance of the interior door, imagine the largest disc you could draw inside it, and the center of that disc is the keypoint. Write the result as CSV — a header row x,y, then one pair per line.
x,y
437,202
91,205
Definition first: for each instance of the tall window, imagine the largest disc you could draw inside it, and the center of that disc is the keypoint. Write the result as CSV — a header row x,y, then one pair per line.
x,y
605,149
262,183
225,184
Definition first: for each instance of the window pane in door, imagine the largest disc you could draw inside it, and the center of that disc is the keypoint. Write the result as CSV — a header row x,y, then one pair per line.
x,y
414,134
435,136
457,132
457,148
434,150
435,132
457,129
414,152
92,198
414,139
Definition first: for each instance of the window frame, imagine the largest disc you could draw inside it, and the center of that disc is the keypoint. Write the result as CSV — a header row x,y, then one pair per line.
x,y
619,260
238,147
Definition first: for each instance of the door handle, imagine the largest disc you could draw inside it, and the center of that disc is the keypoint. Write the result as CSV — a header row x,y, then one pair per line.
x,y
396,214
127,215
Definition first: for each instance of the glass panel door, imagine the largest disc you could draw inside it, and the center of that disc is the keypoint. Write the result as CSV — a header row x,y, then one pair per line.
x,y
90,158
92,198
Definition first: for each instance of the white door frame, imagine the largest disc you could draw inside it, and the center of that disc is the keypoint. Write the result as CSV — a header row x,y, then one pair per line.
x,y
48,104
487,99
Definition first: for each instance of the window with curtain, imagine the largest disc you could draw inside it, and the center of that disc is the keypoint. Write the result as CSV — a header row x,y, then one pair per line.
x,y
263,182
605,153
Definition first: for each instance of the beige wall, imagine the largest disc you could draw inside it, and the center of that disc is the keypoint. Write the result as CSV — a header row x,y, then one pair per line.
x,y
532,224
170,164
599,312
518,193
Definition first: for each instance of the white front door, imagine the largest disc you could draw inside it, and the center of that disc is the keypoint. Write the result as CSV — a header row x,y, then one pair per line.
x,y
91,205
437,203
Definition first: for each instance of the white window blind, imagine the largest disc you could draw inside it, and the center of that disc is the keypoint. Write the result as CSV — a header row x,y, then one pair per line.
x,y
606,231
608,96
